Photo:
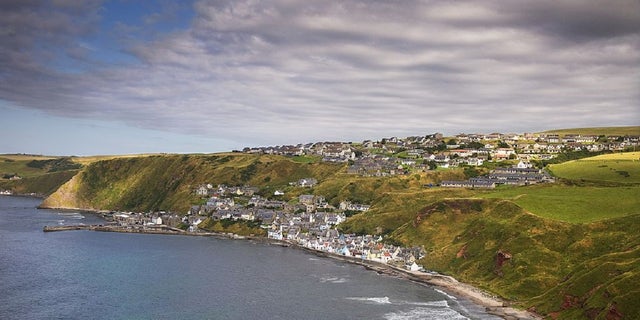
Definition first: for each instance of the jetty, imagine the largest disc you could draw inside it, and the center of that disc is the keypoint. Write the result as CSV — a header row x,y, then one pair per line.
x,y
65,228
157,229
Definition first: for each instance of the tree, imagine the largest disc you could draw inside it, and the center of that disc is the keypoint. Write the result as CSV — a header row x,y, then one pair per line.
x,y
502,144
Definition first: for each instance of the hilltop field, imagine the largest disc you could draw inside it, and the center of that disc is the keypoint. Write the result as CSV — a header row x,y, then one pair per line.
x,y
618,131
620,168
34,174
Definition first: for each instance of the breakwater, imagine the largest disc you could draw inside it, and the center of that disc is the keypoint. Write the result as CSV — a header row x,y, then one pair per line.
x,y
158,229
114,228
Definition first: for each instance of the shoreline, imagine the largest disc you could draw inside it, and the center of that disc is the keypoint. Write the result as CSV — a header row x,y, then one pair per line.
x,y
493,305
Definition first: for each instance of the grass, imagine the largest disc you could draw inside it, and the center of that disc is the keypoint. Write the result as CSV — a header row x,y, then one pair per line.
x,y
42,185
618,167
607,131
550,260
21,157
306,159
10,164
573,204
41,175
91,159
167,182
622,156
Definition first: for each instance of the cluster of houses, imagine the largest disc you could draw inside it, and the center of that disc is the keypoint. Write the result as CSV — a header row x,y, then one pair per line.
x,y
398,156
308,221
365,247
518,175
127,219
329,151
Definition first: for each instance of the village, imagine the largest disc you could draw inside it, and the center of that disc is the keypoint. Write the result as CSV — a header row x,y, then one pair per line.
x,y
399,156
309,221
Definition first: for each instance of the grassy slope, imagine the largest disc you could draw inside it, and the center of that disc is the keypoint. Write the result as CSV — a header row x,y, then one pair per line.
x,y
41,185
631,130
551,260
10,164
617,167
167,182
573,258
573,204
36,180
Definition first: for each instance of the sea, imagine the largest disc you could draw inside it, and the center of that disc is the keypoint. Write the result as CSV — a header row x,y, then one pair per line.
x,y
104,275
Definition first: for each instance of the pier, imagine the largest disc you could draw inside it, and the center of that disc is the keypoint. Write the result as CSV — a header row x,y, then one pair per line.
x,y
157,229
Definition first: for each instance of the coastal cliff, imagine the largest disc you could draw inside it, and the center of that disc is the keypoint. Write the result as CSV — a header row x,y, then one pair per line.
x,y
167,182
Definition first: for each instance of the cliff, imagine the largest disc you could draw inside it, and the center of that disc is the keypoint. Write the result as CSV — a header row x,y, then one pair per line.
x,y
167,182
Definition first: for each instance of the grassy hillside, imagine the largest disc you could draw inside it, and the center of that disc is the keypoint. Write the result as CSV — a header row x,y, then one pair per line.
x,y
41,175
168,182
573,204
607,131
41,185
573,246
617,167
27,166
535,262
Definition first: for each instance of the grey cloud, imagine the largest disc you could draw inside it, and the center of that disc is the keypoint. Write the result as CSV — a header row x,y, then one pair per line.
x,y
294,71
580,20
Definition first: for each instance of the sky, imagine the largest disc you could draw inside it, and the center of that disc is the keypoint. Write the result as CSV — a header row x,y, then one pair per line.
x,y
119,77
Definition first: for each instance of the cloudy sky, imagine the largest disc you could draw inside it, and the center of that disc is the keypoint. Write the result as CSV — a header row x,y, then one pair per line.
x,y
113,77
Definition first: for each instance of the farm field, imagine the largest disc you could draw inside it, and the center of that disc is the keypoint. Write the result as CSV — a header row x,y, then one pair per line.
x,y
573,204
631,130
617,167
17,164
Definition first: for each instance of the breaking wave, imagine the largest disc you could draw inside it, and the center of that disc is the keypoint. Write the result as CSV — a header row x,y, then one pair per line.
x,y
372,300
71,215
425,314
445,294
386,300
439,303
333,280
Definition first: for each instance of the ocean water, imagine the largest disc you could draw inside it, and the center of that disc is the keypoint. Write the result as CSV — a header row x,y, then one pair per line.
x,y
99,275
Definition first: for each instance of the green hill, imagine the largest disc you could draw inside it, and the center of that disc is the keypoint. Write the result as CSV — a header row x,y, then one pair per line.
x,y
42,175
622,168
167,182
572,246
607,131
533,261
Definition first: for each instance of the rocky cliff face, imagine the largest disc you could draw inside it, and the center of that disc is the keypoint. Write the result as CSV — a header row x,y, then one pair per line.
x,y
65,197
